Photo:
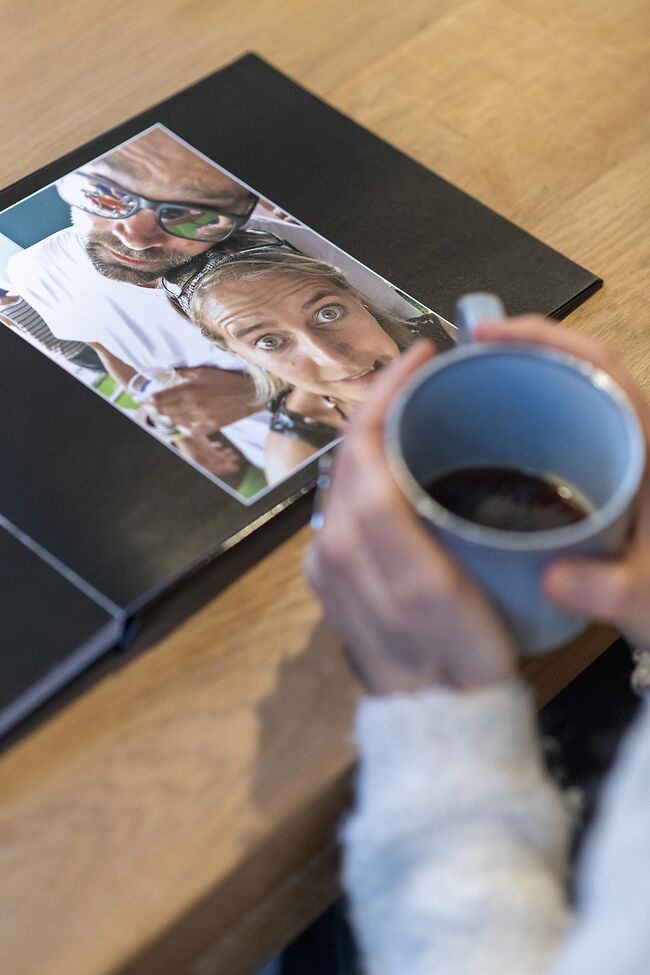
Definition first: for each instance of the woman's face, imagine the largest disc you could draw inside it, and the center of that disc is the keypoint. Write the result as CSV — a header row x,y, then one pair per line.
x,y
305,330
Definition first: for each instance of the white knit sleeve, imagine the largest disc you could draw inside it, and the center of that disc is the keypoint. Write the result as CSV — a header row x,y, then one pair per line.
x,y
454,858
612,931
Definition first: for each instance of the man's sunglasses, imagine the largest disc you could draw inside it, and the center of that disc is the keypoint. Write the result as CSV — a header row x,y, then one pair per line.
x,y
191,221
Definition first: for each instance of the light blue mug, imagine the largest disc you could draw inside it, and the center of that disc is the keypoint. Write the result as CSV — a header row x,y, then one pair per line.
x,y
531,408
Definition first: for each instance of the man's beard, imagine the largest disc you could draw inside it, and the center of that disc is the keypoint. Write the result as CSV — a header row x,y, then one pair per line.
x,y
98,246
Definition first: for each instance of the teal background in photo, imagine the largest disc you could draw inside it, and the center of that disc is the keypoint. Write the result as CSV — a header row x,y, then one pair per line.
x,y
35,218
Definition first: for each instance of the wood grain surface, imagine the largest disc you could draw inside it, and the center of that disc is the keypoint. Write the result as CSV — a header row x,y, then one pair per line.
x,y
179,818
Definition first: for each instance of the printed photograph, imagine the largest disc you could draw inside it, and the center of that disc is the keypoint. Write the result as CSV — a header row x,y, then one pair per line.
x,y
233,333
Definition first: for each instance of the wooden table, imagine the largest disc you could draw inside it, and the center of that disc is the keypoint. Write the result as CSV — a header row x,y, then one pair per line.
x,y
180,817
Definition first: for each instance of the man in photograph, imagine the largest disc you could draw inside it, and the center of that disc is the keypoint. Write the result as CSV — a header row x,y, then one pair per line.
x,y
138,212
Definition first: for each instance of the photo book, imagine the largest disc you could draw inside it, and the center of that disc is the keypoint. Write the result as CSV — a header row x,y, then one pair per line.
x,y
192,307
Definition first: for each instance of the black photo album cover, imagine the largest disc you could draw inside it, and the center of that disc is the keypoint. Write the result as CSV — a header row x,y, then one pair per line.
x,y
192,307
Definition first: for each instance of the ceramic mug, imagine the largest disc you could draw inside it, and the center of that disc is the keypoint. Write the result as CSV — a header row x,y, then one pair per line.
x,y
524,407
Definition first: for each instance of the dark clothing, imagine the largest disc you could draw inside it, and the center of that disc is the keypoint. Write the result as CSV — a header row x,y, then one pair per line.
x,y
297,426
430,327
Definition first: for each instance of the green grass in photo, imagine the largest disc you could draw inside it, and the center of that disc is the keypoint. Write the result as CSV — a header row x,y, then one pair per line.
x,y
106,385
413,301
252,482
126,402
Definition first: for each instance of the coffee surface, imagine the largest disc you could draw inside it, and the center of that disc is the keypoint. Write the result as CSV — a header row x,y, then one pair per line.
x,y
508,499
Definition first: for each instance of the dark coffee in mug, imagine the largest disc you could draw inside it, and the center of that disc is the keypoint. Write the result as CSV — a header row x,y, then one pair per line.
x,y
509,499
536,412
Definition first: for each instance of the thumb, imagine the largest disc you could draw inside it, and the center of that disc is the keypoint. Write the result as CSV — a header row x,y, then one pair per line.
x,y
589,587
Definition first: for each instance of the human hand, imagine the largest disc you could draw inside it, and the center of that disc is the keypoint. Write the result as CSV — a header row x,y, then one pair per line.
x,y
212,455
617,590
208,398
411,616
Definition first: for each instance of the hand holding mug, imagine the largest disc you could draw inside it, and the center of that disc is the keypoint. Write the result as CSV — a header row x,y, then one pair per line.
x,y
409,614
615,590
412,617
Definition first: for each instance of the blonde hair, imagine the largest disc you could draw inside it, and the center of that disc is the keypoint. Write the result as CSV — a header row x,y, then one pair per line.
x,y
252,267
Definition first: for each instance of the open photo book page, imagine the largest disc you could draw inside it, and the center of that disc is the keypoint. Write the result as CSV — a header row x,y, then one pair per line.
x,y
226,329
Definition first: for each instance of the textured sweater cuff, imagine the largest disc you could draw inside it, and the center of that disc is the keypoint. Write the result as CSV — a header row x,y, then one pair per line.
x,y
457,749
454,856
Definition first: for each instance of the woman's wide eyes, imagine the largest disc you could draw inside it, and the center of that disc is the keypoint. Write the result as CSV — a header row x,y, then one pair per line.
x,y
268,343
328,314
324,316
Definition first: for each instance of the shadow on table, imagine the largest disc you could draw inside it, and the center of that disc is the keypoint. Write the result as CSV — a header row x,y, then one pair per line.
x,y
290,744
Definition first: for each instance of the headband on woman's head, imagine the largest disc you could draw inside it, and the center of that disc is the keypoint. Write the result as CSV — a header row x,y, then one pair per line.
x,y
246,242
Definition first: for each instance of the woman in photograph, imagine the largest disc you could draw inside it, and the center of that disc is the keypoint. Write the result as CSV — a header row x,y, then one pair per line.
x,y
312,343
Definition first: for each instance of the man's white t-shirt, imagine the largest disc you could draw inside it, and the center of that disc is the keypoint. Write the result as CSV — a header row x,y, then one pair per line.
x,y
138,325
